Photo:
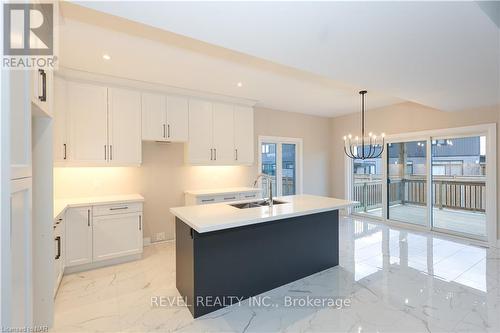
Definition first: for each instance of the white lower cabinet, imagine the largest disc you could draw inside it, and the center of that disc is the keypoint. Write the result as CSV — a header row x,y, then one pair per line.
x,y
98,233
117,235
78,236
59,250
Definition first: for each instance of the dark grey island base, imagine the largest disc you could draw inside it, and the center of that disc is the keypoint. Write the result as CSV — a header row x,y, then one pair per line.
x,y
245,261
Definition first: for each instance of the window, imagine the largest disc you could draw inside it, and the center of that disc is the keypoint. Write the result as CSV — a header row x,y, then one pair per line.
x,y
281,158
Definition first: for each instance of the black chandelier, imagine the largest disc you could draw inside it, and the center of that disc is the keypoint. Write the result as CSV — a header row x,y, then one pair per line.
x,y
368,147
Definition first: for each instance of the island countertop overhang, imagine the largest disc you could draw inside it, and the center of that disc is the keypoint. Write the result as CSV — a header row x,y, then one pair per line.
x,y
220,216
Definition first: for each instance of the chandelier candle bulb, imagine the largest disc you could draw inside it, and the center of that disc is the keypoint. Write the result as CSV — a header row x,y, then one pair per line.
x,y
371,146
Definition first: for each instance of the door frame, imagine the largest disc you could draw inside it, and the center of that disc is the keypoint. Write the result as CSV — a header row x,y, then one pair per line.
x,y
488,130
278,140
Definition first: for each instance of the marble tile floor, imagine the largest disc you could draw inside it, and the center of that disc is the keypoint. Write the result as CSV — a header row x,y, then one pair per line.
x,y
388,280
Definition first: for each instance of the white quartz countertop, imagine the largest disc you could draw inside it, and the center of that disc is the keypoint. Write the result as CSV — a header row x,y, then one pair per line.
x,y
222,190
219,216
61,204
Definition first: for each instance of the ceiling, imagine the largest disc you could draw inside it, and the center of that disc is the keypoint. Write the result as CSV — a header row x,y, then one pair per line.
x,y
308,57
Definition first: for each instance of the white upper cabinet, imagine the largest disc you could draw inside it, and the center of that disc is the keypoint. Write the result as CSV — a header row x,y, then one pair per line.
x,y
243,135
96,125
199,148
220,134
88,123
124,130
177,119
223,134
154,117
164,118
60,124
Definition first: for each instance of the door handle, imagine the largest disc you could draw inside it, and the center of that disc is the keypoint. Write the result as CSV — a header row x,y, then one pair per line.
x,y
64,145
105,155
236,150
168,130
88,217
140,222
215,154
58,240
211,154
111,152
164,132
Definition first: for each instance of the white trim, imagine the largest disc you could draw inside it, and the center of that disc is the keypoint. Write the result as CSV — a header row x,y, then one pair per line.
x,y
299,160
488,130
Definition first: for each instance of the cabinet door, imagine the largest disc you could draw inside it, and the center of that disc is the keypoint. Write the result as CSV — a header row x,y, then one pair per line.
x,y
58,255
20,286
117,235
61,149
243,135
20,124
154,122
124,127
78,225
200,150
87,107
177,119
223,134
42,91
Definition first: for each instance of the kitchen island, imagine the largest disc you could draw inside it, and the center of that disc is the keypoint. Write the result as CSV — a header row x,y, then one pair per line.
x,y
225,254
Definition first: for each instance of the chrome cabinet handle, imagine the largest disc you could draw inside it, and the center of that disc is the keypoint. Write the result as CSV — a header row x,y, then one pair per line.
x,y
88,217
111,152
168,131
236,151
140,222
118,208
211,154
164,132
230,198
215,154
207,200
65,155
105,155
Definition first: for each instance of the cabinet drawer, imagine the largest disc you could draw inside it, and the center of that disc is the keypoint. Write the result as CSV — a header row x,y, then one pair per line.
x,y
249,195
117,208
207,199
229,197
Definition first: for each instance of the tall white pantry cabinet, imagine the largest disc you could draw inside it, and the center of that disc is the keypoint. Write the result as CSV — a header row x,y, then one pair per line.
x,y
26,235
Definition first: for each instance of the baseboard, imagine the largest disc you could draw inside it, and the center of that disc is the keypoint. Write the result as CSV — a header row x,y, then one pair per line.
x,y
161,242
100,264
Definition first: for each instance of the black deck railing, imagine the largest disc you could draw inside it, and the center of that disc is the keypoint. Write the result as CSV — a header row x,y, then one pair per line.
x,y
466,193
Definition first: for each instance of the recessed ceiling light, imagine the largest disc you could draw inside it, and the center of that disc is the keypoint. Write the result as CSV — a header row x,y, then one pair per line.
x,y
239,84
106,56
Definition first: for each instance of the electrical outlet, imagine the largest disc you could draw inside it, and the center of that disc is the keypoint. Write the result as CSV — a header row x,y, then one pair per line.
x,y
160,236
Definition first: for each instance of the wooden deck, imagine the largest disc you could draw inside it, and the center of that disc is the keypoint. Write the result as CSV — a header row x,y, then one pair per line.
x,y
473,223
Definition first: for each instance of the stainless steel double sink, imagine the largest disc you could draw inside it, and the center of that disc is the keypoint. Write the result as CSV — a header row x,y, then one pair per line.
x,y
254,204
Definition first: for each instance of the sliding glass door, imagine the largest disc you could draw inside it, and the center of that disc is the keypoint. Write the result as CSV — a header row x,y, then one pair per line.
x,y
407,182
367,186
441,183
459,185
